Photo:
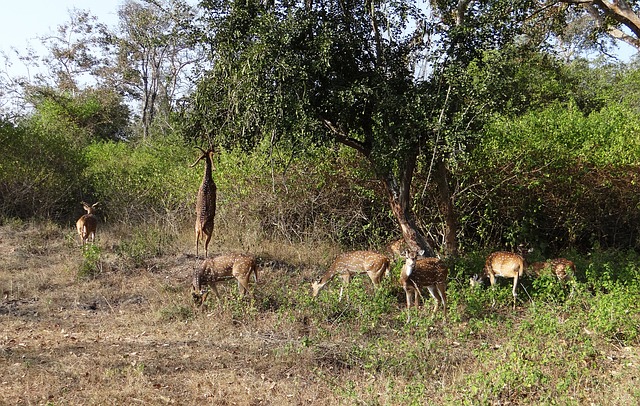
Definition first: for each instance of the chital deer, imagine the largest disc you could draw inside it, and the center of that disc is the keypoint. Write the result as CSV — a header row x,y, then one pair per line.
x,y
352,263
221,268
206,203
416,274
557,266
396,248
87,224
504,264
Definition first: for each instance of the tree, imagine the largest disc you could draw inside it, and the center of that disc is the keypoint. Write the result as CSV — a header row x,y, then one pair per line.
x,y
152,53
590,22
90,114
347,72
74,55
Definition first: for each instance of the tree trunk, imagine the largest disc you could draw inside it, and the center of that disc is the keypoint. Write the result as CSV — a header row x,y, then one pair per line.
x,y
399,200
398,190
445,204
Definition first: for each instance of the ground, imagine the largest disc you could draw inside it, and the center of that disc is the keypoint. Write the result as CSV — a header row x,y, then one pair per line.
x,y
127,333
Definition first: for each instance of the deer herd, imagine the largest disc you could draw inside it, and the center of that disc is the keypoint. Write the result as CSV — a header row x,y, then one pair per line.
x,y
418,273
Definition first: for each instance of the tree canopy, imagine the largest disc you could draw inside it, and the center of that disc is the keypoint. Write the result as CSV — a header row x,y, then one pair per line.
x,y
397,81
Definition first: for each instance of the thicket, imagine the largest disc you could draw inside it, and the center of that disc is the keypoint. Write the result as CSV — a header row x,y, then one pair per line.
x,y
556,178
41,172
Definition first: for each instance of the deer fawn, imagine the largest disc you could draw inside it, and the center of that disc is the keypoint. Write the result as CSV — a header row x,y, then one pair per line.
x,y
351,263
431,273
504,264
87,224
205,203
220,268
558,266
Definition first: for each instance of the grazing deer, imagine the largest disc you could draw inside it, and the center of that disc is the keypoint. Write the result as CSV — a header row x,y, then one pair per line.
x,y
221,268
504,264
431,273
352,263
558,266
206,203
87,224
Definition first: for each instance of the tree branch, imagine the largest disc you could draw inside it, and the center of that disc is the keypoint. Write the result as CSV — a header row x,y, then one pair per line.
x,y
341,136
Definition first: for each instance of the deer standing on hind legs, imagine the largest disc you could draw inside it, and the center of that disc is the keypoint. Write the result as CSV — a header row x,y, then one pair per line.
x,y
352,263
206,202
431,273
504,264
87,224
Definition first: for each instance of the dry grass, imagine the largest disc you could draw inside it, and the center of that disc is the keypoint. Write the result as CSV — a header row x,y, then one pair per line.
x,y
128,334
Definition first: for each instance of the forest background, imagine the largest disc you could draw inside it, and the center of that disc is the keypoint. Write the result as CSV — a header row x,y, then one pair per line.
x,y
465,127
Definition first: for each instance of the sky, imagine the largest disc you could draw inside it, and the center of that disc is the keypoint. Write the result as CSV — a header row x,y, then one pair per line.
x,y
21,21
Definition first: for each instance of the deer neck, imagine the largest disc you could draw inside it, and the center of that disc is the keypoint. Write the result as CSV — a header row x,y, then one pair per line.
x,y
408,267
207,169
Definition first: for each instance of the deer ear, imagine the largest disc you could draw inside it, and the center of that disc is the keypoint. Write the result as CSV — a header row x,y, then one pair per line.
x,y
421,253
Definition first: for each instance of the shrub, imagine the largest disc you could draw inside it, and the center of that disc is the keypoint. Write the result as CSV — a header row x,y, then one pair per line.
x,y
91,264
555,178
143,182
40,173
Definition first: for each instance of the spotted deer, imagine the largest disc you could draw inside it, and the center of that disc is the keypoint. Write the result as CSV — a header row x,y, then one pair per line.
x,y
221,268
417,274
557,266
87,224
205,203
396,248
348,264
504,264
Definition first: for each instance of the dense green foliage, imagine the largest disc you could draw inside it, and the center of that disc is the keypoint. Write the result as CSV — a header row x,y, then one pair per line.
x,y
556,178
576,186
140,182
40,171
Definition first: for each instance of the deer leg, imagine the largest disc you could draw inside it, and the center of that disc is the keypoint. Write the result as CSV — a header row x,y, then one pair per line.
x,y
204,298
243,284
492,279
408,296
375,279
197,241
432,290
206,245
442,290
515,285
215,290
346,280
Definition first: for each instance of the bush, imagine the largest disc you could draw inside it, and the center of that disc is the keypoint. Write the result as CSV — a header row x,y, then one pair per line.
x,y
556,179
40,173
143,182
91,264
326,194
